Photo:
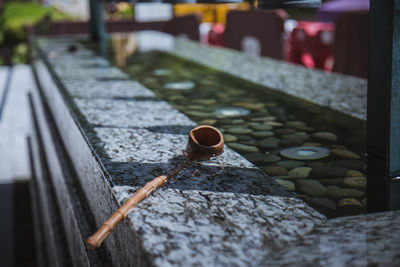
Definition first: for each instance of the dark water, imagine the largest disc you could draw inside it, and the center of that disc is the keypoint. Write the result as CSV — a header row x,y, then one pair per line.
x,y
259,123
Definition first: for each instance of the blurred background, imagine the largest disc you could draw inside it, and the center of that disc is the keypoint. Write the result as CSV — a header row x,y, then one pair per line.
x,y
332,38
321,38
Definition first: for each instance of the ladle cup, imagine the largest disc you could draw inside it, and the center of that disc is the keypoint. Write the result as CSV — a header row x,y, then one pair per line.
x,y
204,142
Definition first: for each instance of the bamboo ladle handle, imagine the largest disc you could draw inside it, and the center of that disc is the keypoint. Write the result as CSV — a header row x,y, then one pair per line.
x,y
105,229
204,142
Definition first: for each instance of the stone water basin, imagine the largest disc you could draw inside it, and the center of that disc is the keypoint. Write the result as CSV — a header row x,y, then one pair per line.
x,y
309,147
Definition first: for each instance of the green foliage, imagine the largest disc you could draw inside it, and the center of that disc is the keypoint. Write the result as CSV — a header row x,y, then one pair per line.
x,y
20,53
126,13
15,15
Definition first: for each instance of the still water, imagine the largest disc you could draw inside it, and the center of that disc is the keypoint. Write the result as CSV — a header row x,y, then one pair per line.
x,y
313,151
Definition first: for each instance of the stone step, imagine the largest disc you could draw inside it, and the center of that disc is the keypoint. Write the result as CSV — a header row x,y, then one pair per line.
x,y
14,122
60,200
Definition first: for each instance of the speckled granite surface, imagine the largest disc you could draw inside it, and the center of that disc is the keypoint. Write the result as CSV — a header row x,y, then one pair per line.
x,y
365,240
220,212
340,92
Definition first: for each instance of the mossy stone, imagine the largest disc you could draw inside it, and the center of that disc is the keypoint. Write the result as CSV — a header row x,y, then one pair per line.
x,y
344,153
310,187
300,172
275,170
328,172
355,182
290,164
230,138
337,193
289,185
243,148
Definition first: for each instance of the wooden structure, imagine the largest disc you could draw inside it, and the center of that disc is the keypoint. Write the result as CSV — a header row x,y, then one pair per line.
x,y
241,24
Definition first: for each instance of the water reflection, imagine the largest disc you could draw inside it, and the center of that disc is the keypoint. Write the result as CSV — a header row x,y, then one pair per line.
x,y
328,166
123,47
231,112
180,85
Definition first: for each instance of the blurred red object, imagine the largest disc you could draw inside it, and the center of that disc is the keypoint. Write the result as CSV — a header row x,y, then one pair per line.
x,y
311,44
216,34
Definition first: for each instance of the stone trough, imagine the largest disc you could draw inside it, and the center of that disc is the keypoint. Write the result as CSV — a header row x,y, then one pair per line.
x,y
99,136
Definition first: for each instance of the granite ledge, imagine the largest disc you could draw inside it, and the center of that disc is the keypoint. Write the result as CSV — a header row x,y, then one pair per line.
x,y
340,92
195,220
226,202
364,240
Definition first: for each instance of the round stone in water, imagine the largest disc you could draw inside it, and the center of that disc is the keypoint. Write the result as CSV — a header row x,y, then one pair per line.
x,y
231,112
305,152
179,85
162,72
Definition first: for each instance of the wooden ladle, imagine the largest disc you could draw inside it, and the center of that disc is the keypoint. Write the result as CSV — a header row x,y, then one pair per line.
x,y
204,142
